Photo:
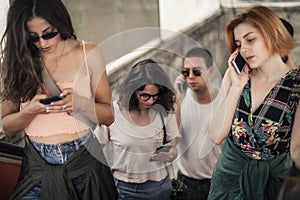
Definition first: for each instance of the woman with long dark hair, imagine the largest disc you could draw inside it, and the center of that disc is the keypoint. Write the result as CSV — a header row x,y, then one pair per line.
x,y
39,37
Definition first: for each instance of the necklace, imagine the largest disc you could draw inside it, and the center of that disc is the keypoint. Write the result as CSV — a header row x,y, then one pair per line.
x,y
58,58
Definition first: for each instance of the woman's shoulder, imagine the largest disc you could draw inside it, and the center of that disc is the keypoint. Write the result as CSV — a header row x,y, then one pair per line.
x,y
89,46
91,49
79,46
72,47
80,50
294,74
291,80
296,71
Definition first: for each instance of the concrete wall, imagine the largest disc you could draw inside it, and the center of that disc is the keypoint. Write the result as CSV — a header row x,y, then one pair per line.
x,y
210,34
99,21
96,21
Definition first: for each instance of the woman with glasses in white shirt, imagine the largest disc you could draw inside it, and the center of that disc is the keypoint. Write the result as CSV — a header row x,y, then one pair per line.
x,y
144,109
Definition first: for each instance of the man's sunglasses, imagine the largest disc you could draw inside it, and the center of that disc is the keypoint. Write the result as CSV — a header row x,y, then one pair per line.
x,y
46,36
196,71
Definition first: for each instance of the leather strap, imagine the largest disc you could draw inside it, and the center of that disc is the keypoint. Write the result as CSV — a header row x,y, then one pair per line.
x,y
49,83
164,142
164,127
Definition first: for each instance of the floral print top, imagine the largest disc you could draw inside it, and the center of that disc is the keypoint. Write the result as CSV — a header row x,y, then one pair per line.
x,y
266,133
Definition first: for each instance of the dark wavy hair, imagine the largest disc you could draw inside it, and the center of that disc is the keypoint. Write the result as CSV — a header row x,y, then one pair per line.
x,y
20,59
202,53
141,74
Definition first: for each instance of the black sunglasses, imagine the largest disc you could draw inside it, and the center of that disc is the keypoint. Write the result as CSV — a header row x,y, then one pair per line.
x,y
146,97
196,71
46,36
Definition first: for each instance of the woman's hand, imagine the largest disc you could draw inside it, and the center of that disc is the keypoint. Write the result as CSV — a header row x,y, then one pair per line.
x,y
35,107
180,86
165,156
64,105
11,113
238,79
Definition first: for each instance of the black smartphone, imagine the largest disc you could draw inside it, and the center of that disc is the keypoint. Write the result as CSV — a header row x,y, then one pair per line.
x,y
239,63
50,100
162,149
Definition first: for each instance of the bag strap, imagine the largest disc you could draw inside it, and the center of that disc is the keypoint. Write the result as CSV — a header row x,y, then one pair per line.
x,y
85,59
52,88
164,128
49,83
164,142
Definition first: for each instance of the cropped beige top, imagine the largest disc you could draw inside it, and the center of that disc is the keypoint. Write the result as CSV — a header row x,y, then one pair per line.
x,y
53,124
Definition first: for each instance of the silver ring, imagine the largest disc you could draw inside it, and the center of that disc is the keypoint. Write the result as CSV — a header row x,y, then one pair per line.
x,y
64,107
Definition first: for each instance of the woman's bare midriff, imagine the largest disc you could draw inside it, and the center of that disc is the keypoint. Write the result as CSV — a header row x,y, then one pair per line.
x,y
57,139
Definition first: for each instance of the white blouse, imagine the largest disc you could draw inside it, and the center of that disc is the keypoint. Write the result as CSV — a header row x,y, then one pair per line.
x,y
133,145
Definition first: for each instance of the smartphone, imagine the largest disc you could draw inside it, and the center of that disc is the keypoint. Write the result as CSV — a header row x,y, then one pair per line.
x,y
50,100
182,86
162,149
239,63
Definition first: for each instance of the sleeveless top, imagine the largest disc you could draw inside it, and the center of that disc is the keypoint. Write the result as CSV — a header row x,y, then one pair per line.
x,y
266,133
53,124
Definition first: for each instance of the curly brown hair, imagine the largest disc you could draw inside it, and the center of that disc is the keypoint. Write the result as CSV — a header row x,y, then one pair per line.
x,y
143,73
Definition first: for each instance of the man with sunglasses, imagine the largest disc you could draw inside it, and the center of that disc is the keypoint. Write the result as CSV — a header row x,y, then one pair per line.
x,y
198,155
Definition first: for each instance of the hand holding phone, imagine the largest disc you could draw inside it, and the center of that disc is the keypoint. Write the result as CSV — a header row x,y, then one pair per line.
x,y
50,100
161,148
238,63
181,84
182,87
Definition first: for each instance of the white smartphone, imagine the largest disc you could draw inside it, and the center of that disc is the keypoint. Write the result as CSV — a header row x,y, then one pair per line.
x,y
239,63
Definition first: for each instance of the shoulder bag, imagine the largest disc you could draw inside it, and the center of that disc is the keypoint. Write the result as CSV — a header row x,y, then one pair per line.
x,y
178,186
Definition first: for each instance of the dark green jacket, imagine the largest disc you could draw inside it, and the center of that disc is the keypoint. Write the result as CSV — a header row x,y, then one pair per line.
x,y
56,180
237,177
